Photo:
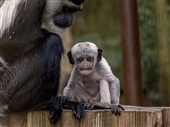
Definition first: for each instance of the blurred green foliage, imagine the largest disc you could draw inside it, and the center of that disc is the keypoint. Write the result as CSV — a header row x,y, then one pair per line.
x,y
149,49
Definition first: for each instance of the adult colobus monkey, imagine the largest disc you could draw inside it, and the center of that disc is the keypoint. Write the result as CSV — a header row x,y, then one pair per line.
x,y
91,80
30,56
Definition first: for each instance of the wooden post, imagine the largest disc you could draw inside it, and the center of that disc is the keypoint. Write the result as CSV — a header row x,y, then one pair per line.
x,y
132,117
131,52
166,117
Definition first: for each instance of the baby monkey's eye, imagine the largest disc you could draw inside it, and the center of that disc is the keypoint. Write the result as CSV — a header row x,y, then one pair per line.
x,y
89,59
80,59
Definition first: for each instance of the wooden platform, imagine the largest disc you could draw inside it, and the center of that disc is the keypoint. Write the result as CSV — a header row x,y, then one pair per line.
x,y
132,117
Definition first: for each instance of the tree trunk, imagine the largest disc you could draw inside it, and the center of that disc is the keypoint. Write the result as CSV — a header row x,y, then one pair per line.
x,y
163,50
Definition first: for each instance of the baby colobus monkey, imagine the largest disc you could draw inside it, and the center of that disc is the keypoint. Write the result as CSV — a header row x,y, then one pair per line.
x,y
92,81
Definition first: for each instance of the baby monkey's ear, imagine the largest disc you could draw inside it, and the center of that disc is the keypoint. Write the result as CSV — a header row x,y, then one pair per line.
x,y
69,55
99,57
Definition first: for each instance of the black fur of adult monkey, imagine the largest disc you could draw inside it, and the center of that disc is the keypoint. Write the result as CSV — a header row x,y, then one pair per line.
x,y
92,81
30,56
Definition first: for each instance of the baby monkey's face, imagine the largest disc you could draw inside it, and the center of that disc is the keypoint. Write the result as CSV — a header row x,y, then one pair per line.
x,y
85,63
84,56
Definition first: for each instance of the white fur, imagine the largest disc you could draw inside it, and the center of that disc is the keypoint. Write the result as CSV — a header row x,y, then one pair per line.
x,y
8,11
76,47
51,7
3,63
105,92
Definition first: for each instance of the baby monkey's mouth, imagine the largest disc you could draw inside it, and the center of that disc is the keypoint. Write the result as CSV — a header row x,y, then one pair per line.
x,y
83,69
